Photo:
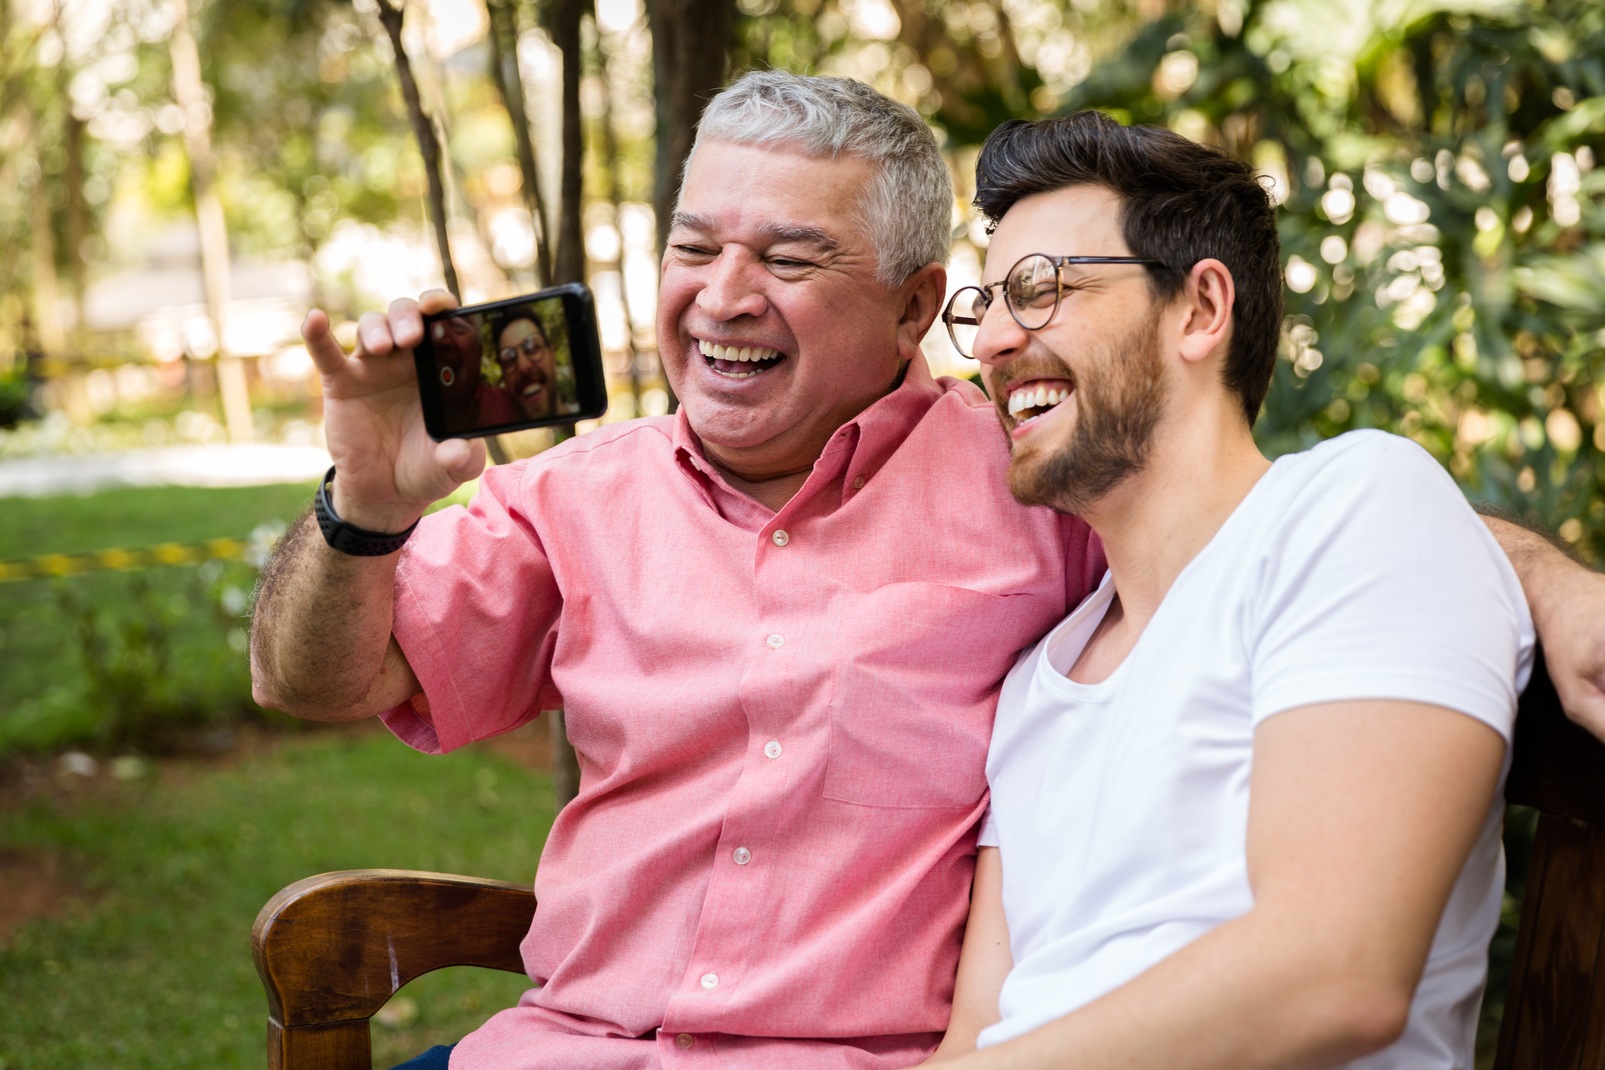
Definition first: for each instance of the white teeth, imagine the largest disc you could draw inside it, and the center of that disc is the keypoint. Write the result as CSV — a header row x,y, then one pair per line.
x,y
742,354
1041,398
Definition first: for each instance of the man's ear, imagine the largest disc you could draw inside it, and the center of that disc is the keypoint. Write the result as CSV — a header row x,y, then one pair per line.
x,y
922,294
1207,302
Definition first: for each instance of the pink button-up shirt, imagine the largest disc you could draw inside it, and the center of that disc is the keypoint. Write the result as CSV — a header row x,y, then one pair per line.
x,y
781,719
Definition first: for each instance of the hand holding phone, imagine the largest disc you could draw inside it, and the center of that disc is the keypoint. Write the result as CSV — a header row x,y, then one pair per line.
x,y
390,470
529,361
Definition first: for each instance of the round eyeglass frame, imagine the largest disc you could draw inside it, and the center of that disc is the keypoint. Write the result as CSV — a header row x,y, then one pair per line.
x,y
955,321
527,344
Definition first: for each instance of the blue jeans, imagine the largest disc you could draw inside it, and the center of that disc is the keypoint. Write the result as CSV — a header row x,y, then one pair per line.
x,y
433,1059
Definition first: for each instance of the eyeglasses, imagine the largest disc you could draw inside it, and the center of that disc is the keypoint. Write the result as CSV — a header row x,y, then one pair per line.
x,y
1032,290
530,344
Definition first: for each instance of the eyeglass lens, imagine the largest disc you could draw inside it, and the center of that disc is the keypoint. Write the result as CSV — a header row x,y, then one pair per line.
x,y
1032,291
530,344
963,318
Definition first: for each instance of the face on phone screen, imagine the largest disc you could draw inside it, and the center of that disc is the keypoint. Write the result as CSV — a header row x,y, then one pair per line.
x,y
510,364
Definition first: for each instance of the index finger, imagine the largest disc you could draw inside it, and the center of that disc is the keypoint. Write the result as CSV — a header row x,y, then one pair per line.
x,y
326,352
406,316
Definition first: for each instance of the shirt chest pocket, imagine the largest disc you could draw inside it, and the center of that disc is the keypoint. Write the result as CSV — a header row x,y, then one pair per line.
x,y
918,671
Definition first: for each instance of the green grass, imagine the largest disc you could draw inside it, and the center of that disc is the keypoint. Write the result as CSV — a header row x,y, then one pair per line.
x,y
132,518
148,965
109,659
170,640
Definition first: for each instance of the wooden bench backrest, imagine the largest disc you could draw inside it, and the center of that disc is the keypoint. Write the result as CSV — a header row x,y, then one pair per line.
x,y
1555,1003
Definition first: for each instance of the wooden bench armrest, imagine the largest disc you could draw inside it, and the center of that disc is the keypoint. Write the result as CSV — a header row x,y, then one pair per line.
x,y
332,949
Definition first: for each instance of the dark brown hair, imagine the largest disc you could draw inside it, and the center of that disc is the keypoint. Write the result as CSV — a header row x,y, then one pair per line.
x,y
1182,202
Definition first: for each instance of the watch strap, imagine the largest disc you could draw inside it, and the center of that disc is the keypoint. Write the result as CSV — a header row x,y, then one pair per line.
x,y
348,538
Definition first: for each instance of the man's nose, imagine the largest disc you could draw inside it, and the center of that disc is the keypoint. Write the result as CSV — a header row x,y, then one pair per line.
x,y
998,337
730,289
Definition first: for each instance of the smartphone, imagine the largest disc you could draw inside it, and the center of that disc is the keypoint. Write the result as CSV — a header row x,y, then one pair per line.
x,y
529,361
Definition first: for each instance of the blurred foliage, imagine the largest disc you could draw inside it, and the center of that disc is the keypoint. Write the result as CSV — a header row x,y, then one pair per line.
x,y
15,398
1441,216
1442,229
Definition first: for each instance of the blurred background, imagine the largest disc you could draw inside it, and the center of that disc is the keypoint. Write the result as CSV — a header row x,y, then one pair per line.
x,y
180,180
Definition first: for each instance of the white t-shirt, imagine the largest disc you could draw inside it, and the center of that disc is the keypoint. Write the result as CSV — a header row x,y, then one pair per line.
x,y
1352,571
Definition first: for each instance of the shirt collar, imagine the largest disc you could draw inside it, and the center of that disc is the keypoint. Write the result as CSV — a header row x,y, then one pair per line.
x,y
861,445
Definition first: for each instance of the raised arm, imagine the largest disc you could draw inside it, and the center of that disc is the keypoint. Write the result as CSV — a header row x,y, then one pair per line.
x,y
1362,814
1567,601
321,646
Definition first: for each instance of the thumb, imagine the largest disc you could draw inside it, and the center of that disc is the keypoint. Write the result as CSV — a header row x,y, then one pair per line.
x,y
462,458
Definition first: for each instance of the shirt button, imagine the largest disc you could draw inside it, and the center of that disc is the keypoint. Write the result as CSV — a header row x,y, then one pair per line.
x,y
710,981
780,538
741,855
772,749
858,484
684,1040
776,641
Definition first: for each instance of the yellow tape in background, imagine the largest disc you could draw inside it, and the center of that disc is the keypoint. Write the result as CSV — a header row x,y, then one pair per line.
x,y
167,553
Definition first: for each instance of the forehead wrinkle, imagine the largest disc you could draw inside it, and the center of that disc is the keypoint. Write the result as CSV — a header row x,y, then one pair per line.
x,y
800,233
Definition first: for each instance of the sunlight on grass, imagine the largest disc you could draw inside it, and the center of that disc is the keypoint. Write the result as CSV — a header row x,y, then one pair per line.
x,y
147,964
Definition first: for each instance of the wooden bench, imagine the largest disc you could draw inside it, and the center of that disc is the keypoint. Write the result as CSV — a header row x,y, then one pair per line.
x,y
332,949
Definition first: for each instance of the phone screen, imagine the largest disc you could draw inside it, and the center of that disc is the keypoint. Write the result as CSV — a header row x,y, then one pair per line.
x,y
529,361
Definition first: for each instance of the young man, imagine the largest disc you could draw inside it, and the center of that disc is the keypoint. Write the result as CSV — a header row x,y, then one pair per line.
x,y
529,368
1245,800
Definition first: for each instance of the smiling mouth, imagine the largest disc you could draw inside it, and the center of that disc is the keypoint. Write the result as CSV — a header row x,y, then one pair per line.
x,y
1030,401
739,362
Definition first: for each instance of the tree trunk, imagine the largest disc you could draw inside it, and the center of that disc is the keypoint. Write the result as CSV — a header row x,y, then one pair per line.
x,y
76,231
509,81
189,92
391,16
565,17
610,168
690,50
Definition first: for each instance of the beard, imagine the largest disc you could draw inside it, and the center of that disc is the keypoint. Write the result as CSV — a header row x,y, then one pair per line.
x,y
1119,402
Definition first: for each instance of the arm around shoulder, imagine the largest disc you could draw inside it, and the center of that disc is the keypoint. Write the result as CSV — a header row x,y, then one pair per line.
x,y
1567,601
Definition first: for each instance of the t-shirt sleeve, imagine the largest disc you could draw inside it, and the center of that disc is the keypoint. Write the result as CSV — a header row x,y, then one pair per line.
x,y
989,830
476,610
1382,583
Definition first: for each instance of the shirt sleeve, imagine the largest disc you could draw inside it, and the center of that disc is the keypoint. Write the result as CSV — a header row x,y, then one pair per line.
x,y
476,611
1381,583
989,830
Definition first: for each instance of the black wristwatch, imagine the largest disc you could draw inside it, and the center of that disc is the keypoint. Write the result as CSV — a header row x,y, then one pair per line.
x,y
348,538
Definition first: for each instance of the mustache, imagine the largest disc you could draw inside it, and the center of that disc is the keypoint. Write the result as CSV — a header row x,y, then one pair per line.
x,y
1045,366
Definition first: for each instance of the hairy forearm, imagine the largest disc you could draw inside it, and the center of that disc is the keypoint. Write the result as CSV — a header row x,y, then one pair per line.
x,y
320,635
1541,562
1567,600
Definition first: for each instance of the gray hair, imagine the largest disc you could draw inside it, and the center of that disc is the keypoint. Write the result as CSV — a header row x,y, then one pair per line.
x,y
908,208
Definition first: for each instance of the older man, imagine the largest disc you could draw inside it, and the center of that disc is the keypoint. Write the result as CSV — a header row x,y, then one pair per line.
x,y
777,639
778,620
